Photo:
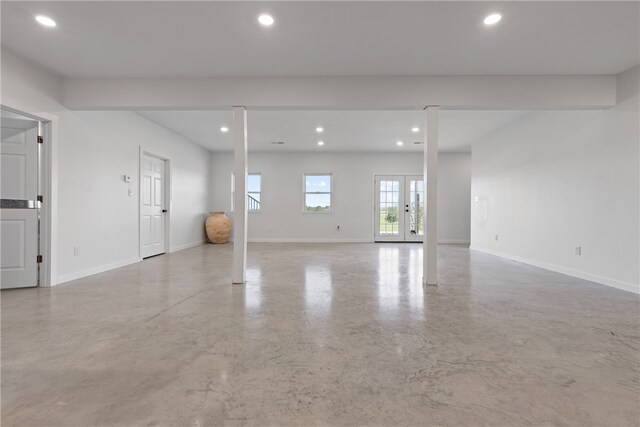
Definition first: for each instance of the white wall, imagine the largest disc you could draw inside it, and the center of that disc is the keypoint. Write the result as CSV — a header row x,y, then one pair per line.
x,y
96,213
558,180
91,153
282,218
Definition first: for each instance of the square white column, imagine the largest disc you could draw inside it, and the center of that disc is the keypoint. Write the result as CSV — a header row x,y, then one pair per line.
x,y
430,213
239,269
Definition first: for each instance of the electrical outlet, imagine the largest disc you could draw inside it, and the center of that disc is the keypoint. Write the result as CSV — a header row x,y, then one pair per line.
x,y
578,250
496,237
130,193
76,250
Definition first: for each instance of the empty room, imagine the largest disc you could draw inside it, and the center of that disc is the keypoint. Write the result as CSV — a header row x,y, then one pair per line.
x,y
369,213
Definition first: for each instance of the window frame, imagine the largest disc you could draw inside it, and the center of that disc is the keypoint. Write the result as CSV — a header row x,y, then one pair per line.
x,y
305,192
233,191
249,193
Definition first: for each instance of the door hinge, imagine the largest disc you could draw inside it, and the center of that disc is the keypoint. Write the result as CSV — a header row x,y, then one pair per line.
x,y
39,259
40,140
40,199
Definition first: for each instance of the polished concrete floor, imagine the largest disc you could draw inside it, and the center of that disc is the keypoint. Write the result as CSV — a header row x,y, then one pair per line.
x,y
322,334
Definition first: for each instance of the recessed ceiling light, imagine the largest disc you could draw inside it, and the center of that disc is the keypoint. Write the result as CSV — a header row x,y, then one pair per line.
x,y
399,143
224,129
492,19
321,143
415,129
319,129
46,21
265,20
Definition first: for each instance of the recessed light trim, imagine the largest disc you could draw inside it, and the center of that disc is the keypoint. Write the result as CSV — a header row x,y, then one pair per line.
x,y
399,143
266,20
321,143
224,129
415,129
492,19
45,21
319,129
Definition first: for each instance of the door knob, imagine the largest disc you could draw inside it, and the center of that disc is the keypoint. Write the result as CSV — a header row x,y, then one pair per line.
x,y
164,210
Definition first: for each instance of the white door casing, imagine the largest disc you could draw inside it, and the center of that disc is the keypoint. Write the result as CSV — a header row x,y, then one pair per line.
x,y
19,194
397,203
153,205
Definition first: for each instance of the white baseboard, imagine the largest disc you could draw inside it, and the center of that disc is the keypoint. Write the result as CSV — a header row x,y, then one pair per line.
x,y
106,267
95,270
187,246
304,240
625,286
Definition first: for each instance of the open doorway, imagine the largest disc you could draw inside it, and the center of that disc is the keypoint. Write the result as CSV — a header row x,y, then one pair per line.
x,y
330,159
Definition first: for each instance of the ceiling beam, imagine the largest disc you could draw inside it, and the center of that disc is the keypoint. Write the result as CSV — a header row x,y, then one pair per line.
x,y
394,92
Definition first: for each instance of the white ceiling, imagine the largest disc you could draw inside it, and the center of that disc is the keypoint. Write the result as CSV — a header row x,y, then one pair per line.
x,y
352,130
192,39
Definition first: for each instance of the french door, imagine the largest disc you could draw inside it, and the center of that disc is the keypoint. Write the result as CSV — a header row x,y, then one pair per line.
x,y
19,201
399,204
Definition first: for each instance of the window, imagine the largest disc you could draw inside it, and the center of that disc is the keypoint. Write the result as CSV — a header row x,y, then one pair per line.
x,y
317,192
254,188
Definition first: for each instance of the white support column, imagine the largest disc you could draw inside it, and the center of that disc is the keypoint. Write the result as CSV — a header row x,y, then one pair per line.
x,y
430,213
239,270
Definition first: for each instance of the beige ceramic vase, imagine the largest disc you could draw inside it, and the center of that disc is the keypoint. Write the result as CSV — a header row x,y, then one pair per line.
x,y
218,227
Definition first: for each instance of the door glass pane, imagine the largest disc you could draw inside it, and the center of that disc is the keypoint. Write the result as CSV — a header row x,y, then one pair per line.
x,y
389,207
416,207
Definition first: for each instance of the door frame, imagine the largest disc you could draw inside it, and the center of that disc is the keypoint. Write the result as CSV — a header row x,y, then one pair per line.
x,y
167,197
47,182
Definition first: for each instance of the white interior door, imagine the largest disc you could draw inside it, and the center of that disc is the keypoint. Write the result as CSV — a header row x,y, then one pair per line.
x,y
399,202
153,205
19,206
